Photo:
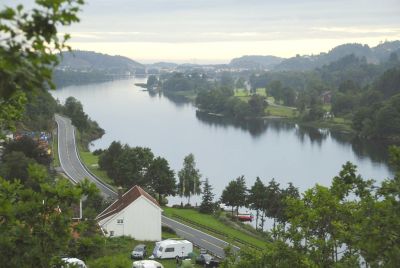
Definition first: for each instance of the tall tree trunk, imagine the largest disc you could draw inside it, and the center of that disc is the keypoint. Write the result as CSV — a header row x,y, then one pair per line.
x,y
273,230
257,212
159,199
262,221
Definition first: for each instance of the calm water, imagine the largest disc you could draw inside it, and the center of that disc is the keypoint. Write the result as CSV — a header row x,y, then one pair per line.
x,y
223,150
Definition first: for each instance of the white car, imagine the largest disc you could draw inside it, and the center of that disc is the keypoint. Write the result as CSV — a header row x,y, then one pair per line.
x,y
73,262
147,264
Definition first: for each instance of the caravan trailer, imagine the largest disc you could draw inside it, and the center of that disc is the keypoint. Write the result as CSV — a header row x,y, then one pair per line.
x,y
170,248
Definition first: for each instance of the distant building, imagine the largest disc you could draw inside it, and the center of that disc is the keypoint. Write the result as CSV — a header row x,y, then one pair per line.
x,y
326,97
135,214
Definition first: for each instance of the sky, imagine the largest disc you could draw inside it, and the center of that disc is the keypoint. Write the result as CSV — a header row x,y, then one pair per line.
x,y
215,31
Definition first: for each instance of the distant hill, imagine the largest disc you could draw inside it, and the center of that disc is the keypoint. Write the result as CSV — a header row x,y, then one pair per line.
x,y
255,62
372,55
89,61
162,65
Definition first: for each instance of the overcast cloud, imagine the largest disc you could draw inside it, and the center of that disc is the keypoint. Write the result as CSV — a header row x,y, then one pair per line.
x,y
239,27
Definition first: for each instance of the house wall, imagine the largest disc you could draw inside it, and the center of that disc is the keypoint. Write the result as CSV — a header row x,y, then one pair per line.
x,y
141,220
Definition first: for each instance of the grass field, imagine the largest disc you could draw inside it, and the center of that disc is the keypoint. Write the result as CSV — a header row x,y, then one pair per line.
x,y
91,162
281,111
116,253
212,222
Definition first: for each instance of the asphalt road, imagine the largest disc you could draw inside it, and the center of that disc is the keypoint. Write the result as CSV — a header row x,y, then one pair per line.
x,y
76,171
210,243
69,159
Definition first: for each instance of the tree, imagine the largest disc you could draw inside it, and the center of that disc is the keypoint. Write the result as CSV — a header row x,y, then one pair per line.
x,y
15,166
256,197
131,166
152,81
28,46
107,160
30,148
161,178
35,224
235,194
273,201
257,105
74,110
189,178
207,204
240,83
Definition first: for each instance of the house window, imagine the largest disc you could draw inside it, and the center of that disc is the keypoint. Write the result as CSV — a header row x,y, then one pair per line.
x,y
120,221
169,249
111,233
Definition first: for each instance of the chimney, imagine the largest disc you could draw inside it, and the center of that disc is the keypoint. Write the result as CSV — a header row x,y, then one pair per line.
x,y
120,192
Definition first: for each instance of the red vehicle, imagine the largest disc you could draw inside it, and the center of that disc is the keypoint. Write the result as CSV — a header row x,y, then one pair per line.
x,y
245,217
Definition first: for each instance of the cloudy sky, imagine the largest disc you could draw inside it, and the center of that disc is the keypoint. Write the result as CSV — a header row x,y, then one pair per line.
x,y
218,30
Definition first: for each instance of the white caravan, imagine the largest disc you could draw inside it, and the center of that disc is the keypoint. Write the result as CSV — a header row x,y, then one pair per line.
x,y
170,248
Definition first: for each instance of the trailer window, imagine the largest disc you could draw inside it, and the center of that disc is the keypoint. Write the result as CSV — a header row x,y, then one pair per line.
x,y
160,249
169,249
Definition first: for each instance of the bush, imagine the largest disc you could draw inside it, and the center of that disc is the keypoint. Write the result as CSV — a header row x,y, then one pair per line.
x,y
188,206
168,229
98,152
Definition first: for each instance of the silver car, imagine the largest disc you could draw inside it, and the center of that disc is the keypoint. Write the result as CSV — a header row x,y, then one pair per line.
x,y
139,252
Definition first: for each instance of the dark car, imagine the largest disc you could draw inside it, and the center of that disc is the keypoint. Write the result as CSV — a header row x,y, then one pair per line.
x,y
207,260
139,252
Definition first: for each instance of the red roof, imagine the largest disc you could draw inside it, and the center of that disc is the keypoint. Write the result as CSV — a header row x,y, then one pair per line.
x,y
127,198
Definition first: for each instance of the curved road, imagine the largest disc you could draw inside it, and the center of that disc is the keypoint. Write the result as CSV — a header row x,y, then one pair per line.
x,y
69,158
77,172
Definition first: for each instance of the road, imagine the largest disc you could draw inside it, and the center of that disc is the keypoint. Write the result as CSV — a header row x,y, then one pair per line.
x,y
69,158
76,171
212,244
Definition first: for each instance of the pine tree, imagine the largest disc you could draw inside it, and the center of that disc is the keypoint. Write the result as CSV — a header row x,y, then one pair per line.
x,y
207,204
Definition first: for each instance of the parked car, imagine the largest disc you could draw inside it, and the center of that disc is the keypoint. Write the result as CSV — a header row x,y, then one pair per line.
x,y
139,252
147,264
207,260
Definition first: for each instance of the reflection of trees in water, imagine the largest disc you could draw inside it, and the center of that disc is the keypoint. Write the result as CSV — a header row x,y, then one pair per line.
x,y
153,93
254,127
372,149
376,151
178,100
315,135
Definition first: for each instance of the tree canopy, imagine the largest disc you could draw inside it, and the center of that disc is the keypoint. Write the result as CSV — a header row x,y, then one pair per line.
x,y
28,46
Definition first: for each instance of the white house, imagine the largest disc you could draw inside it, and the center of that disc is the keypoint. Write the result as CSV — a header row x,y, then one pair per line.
x,y
135,214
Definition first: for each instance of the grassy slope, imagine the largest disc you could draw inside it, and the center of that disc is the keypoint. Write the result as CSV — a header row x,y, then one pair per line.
x,y
91,162
214,223
56,160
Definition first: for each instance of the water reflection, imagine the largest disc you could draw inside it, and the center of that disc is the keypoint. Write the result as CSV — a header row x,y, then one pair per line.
x,y
254,127
364,149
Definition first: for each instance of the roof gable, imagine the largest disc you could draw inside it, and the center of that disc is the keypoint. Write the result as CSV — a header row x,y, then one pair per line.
x,y
127,198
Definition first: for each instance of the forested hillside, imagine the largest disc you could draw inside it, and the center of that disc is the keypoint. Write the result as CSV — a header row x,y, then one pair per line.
x,y
375,55
83,67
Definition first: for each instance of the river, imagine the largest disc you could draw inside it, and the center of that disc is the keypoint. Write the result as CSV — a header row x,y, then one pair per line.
x,y
223,150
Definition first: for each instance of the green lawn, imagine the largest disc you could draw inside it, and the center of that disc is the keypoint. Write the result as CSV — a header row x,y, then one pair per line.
x,y
91,162
327,107
212,222
116,253
244,95
281,111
